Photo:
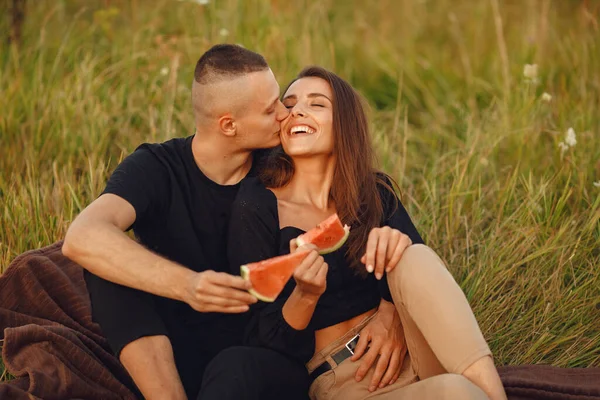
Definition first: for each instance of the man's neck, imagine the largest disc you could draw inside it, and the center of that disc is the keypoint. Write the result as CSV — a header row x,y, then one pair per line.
x,y
219,161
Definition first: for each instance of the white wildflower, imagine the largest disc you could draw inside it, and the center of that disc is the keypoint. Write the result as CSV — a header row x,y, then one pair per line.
x,y
164,71
597,184
201,2
224,32
530,71
563,147
546,97
570,139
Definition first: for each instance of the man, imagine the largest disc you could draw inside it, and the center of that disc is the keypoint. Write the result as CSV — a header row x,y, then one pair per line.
x,y
165,304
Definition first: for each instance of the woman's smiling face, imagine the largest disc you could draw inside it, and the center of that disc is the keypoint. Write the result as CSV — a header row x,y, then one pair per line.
x,y
308,130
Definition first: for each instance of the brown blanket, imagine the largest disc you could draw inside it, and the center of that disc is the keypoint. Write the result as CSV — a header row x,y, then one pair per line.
x,y
55,351
51,345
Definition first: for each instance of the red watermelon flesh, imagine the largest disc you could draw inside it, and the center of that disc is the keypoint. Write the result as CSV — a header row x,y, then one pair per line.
x,y
328,236
268,277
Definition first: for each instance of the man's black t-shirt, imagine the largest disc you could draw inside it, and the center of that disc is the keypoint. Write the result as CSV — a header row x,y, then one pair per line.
x,y
183,216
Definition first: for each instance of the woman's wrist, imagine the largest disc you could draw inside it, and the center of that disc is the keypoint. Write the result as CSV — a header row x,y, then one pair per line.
x,y
299,308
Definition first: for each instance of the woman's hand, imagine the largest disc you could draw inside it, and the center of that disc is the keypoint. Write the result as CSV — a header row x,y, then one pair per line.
x,y
311,274
311,282
385,246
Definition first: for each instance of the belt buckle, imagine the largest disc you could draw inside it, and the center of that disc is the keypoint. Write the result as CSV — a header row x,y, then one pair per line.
x,y
350,345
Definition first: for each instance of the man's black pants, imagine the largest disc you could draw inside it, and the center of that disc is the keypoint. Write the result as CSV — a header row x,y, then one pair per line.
x,y
248,373
208,364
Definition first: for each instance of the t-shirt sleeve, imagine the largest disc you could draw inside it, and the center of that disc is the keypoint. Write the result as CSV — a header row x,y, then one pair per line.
x,y
395,216
253,236
143,181
253,227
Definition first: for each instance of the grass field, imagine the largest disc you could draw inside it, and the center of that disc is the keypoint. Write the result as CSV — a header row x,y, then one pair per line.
x,y
486,168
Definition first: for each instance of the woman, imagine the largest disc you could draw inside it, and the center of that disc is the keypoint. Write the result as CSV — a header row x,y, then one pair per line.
x,y
327,167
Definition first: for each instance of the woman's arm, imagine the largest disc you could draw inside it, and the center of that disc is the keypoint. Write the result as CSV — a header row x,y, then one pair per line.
x,y
254,236
311,282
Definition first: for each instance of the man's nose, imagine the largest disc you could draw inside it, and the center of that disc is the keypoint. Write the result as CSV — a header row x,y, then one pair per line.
x,y
282,112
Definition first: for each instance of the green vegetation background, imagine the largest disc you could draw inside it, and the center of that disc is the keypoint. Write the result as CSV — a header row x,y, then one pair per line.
x,y
474,143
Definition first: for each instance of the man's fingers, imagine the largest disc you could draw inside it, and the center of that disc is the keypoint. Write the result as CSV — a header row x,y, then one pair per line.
x,y
396,376
371,249
224,279
393,367
380,253
228,293
228,310
367,361
382,365
220,301
361,346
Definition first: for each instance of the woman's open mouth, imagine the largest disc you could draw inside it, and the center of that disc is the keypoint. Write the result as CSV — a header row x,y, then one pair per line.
x,y
298,130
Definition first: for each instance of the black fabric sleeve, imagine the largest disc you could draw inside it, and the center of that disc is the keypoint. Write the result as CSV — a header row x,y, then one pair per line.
x,y
254,236
143,181
395,216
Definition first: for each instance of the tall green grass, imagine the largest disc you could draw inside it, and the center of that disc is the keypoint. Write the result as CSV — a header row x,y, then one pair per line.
x,y
470,139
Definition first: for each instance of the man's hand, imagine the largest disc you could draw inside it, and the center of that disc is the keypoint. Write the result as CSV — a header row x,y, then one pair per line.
x,y
384,249
211,291
384,337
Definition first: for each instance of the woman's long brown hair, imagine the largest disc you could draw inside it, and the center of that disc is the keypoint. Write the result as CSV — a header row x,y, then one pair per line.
x,y
354,189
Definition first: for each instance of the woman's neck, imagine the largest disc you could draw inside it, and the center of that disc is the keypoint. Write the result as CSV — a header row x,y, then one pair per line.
x,y
311,183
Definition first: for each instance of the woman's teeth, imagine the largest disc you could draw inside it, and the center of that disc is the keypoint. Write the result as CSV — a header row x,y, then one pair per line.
x,y
300,129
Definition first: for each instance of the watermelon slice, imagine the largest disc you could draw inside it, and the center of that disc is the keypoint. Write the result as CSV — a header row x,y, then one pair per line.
x,y
328,236
268,277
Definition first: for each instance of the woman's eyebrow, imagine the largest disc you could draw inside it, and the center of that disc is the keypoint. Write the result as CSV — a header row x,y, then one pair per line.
x,y
310,95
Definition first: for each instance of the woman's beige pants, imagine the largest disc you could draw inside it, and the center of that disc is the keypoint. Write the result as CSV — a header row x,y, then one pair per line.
x,y
442,336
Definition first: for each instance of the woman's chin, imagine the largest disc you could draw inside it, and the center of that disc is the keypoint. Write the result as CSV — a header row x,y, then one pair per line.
x,y
297,152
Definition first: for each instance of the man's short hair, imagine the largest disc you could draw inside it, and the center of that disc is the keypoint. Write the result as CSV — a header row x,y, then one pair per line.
x,y
226,61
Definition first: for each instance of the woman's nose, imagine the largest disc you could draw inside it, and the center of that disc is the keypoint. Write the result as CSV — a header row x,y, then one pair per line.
x,y
298,112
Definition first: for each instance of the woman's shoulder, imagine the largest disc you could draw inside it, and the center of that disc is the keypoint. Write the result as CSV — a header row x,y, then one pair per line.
x,y
386,186
388,193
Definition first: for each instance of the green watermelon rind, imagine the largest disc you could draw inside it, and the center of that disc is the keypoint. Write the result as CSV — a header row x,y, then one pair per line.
x,y
245,273
300,242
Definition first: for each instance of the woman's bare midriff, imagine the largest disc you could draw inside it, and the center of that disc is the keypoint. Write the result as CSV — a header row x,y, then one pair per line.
x,y
325,336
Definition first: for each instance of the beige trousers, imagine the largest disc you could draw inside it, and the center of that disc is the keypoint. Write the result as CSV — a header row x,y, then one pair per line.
x,y
442,336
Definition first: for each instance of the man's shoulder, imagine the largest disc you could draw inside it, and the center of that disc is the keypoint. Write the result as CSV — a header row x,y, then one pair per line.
x,y
157,156
171,147
253,194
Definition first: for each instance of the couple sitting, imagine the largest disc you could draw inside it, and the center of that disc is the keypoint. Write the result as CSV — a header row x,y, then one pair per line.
x,y
379,318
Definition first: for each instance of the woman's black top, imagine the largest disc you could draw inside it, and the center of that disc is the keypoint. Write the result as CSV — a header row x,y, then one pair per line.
x,y
255,235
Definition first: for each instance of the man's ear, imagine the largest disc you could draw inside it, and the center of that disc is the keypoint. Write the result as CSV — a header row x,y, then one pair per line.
x,y
227,125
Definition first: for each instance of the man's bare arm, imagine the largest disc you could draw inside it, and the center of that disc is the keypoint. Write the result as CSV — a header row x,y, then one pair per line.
x,y
96,240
